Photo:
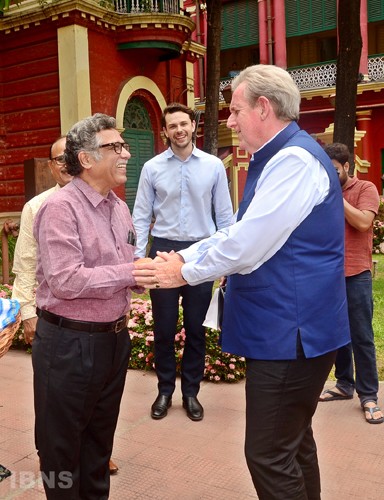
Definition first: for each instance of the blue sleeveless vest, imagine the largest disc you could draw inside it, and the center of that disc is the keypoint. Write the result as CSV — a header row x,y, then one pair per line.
x,y
301,289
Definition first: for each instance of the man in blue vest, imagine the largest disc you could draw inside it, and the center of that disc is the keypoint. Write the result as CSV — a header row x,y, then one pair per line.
x,y
285,305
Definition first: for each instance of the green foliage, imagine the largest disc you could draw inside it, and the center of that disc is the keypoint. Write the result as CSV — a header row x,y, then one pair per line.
x,y
219,366
378,229
11,250
5,4
378,313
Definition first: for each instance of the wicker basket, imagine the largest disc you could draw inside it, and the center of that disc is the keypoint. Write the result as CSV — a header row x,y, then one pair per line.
x,y
7,334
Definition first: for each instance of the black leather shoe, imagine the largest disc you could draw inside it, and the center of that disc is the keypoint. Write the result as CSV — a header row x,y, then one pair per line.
x,y
160,407
194,409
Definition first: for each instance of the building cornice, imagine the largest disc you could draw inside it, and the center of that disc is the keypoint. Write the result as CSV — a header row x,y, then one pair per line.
x,y
330,92
31,13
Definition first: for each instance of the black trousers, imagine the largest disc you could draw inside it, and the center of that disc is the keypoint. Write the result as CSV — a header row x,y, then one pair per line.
x,y
79,379
281,398
165,310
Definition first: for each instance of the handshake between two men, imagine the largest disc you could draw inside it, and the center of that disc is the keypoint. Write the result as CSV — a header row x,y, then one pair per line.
x,y
164,271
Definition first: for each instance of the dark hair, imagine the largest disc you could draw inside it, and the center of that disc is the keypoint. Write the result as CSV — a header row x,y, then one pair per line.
x,y
174,107
82,137
338,151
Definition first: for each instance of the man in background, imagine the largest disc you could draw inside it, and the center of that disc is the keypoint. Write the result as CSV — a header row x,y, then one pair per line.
x,y
186,191
361,204
24,263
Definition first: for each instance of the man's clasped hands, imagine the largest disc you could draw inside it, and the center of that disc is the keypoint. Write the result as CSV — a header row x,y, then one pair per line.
x,y
164,271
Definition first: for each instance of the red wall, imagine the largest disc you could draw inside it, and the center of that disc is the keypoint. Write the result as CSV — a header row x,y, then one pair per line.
x,y
29,105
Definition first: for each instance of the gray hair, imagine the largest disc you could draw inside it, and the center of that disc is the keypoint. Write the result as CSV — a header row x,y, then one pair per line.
x,y
275,84
82,137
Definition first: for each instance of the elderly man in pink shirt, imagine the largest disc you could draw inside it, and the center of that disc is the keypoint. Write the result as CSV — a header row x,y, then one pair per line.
x,y
81,348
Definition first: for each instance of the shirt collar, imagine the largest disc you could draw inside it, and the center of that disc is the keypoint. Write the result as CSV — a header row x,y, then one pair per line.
x,y
351,183
91,194
195,152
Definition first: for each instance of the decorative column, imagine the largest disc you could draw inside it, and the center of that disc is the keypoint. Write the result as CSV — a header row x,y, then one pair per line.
x,y
75,91
279,33
363,68
364,123
263,36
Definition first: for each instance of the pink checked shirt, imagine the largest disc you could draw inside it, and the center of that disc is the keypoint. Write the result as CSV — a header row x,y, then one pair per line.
x,y
85,262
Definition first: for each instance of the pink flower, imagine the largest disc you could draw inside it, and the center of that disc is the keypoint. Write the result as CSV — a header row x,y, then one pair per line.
x,y
217,378
232,366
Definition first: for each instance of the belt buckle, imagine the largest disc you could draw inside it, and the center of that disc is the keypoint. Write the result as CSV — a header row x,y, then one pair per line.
x,y
120,324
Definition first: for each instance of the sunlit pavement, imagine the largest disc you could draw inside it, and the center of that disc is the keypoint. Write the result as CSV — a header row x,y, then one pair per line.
x,y
175,458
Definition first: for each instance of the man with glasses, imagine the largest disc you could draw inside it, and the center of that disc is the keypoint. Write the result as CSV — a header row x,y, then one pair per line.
x,y
25,260
81,348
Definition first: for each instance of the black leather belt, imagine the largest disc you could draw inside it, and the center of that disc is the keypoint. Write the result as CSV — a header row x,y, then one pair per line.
x,y
83,326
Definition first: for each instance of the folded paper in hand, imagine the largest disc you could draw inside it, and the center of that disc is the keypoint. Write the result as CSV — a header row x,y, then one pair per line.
x,y
214,316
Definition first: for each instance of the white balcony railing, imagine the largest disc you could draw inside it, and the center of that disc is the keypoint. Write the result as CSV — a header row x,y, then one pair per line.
x,y
314,77
141,6
322,75
376,68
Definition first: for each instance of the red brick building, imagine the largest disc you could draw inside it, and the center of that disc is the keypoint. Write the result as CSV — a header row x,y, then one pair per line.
x,y
66,59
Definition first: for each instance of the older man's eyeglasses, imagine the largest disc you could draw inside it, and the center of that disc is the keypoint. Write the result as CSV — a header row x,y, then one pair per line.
x,y
60,160
116,146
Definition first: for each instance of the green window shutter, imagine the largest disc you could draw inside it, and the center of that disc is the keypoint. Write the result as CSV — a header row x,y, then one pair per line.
x,y
240,23
375,10
139,135
304,17
141,149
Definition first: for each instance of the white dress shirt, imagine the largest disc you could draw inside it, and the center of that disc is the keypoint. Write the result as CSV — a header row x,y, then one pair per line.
x,y
292,183
25,257
181,196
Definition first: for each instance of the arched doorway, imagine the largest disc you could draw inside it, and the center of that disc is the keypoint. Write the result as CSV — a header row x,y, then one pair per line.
x,y
138,134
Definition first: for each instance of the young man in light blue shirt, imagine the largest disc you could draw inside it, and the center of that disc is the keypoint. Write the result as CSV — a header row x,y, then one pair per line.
x,y
186,191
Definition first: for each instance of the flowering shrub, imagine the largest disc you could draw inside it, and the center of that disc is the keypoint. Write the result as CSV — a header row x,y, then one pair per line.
x,y
18,339
219,366
378,230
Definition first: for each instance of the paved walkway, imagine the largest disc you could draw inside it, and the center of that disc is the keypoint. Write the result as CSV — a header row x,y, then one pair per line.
x,y
176,458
